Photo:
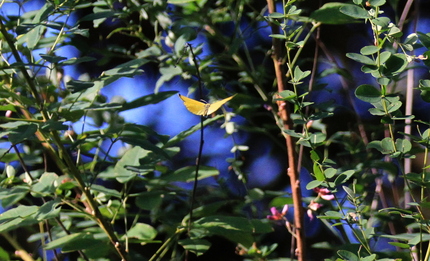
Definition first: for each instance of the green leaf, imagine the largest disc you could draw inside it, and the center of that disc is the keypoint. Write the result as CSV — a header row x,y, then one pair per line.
x,y
394,31
4,255
52,58
45,185
181,136
368,93
33,36
276,15
369,258
178,2
387,145
48,210
355,12
52,125
330,173
278,36
331,215
319,175
317,138
187,174
128,69
384,81
147,99
8,107
360,58
313,184
383,22
186,34
299,74
419,238
377,111
167,73
344,177
395,65
23,216
369,50
77,241
78,86
288,95
314,155
107,191
400,237
237,229
424,39
376,2
424,84
403,145
347,255
75,61
281,201
71,115
150,200
294,134
400,245
16,223
10,196
349,191
137,135
104,106
196,246
141,232
130,158
20,211
330,13
22,132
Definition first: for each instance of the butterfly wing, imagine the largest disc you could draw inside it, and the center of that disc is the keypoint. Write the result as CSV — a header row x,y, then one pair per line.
x,y
216,105
195,107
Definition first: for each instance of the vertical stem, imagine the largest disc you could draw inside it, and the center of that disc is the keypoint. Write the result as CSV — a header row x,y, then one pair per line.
x,y
199,157
287,123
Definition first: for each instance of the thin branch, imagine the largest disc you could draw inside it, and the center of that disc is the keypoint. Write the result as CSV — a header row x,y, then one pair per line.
x,y
199,156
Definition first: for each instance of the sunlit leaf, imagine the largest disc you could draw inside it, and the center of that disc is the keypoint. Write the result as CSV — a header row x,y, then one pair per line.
x,y
142,232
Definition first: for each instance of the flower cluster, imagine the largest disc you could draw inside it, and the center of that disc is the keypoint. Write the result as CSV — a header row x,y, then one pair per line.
x,y
313,206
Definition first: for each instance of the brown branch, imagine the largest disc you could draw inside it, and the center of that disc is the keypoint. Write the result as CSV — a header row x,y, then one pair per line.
x,y
287,124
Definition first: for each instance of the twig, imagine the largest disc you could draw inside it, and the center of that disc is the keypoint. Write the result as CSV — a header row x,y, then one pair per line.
x,y
199,156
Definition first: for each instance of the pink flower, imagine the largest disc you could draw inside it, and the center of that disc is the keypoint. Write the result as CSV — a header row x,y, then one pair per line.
x,y
313,206
324,193
276,215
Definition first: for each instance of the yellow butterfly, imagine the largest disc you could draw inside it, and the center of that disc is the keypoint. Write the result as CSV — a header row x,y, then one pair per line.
x,y
201,108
